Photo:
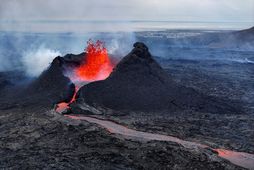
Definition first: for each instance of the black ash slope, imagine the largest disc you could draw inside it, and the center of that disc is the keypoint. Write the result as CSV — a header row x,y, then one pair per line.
x,y
138,83
50,88
52,85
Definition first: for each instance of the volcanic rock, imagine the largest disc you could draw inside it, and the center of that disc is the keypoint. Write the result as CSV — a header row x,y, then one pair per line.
x,y
40,141
11,78
75,59
52,86
138,83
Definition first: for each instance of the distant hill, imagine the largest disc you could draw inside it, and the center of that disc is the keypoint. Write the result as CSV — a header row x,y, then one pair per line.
x,y
245,35
238,40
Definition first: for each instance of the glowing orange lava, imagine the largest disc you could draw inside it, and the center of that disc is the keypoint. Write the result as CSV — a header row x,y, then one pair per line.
x,y
63,105
97,64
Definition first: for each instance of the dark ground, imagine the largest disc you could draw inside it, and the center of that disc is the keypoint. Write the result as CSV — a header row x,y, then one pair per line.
x,y
33,136
43,141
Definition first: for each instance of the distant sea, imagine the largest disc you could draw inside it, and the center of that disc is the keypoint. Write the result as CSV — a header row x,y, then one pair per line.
x,y
81,26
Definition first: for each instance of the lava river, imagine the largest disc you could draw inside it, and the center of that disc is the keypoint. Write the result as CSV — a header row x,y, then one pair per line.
x,y
242,159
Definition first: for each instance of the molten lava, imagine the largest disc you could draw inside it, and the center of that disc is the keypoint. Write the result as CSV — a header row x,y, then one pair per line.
x,y
97,64
63,105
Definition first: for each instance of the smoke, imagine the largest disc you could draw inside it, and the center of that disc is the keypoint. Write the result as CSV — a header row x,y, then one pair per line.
x,y
118,44
32,52
36,61
66,31
30,24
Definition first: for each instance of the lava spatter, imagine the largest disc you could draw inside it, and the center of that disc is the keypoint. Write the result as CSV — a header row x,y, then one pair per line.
x,y
96,64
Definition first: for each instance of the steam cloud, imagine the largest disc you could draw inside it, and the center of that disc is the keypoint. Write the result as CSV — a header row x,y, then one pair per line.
x,y
32,53
36,61
24,26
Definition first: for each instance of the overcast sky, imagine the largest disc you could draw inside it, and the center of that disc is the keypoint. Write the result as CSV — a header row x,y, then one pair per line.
x,y
160,10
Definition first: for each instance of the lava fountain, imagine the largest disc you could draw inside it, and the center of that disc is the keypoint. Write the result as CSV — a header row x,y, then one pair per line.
x,y
95,66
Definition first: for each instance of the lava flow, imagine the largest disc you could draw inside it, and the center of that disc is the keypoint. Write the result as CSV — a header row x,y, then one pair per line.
x,y
96,66
63,105
238,158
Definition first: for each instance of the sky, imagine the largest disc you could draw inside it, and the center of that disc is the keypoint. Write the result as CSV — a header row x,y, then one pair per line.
x,y
157,10
38,15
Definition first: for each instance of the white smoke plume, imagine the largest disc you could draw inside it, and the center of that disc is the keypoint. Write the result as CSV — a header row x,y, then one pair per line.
x,y
36,61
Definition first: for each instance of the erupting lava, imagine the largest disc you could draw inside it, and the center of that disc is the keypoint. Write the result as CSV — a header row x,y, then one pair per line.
x,y
97,65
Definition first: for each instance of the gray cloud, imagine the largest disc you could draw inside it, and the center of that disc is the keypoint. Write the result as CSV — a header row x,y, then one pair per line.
x,y
212,10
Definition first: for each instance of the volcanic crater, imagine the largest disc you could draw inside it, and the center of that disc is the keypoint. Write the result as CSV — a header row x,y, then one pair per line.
x,y
137,83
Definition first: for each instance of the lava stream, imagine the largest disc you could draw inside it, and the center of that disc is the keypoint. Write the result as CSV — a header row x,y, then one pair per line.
x,y
96,66
238,158
63,105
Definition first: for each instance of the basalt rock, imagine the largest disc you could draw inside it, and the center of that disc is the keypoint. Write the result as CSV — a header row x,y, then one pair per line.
x,y
138,83
52,86
73,59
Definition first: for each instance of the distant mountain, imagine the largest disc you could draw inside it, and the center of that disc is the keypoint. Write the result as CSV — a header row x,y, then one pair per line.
x,y
235,40
245,35
242,40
